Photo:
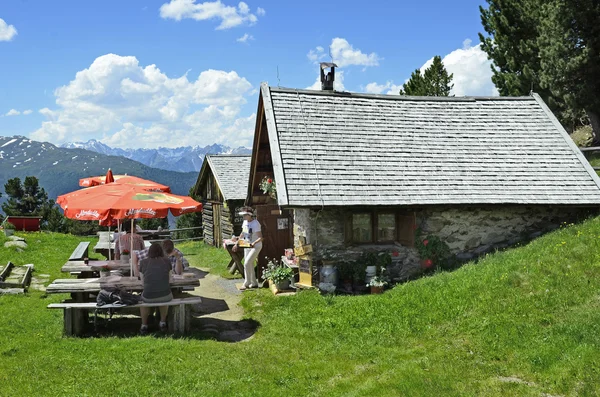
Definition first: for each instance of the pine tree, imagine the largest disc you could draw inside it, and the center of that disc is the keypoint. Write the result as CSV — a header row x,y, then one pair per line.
x,y
526,40
24,198
569,44
435,81
415,86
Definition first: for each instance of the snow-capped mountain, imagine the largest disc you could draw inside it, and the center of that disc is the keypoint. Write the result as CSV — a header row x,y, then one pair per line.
x,y
181,159
59,169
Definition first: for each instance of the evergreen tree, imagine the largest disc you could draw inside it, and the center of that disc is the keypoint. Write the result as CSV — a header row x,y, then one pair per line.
x,y
26,198
569,44
525,41
415,86
435,81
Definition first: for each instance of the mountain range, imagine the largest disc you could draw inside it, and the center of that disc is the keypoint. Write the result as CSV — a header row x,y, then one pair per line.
x,y
59,169
181,159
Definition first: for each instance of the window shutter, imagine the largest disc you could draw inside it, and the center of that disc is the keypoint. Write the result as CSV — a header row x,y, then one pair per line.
x,y
406,229
348,229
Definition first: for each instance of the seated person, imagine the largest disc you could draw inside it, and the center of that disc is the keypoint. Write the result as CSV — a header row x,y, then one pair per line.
x,y
156,274
178,262
124,242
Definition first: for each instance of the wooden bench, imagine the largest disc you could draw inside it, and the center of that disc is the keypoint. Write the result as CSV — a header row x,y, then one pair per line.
x,y
80,252
75,313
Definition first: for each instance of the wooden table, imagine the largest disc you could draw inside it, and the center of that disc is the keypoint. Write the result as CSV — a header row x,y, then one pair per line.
x,y
84,286
236,257
93,267
75,320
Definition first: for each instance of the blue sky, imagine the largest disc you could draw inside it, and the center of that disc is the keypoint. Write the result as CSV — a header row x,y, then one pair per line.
x,y
187,72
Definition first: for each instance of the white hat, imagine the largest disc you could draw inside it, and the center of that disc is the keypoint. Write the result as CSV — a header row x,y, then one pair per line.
x,y
246,211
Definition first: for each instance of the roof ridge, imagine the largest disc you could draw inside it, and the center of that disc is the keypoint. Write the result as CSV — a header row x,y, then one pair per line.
x,y
349,94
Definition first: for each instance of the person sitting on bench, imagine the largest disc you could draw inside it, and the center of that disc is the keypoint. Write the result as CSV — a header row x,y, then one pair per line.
x,y
156,274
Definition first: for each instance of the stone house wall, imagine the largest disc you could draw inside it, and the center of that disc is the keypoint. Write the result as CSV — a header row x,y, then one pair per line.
x,y
469,231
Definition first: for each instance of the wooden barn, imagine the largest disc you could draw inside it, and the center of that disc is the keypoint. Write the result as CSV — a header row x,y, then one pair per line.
x,y
222,185
358,172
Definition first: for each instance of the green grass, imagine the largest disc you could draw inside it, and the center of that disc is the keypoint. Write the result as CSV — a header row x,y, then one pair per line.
x,y
207,257
530,315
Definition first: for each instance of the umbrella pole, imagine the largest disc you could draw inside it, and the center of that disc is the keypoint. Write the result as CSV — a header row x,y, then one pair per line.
x,y
108,242
131,251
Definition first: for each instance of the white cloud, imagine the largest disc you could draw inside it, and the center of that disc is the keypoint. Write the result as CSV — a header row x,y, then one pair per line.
x,y
27,111
338,83
389,88
344,54
260,11
7,32
13,112
245,38
472,75
125,104
230,16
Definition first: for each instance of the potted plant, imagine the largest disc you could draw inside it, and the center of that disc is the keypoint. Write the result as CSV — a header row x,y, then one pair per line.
x,y
9,229
267,185
104,271
125,256
432,251
278,274
378,283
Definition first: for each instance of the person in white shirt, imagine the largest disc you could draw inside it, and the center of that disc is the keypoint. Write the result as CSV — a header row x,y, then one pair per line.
x,y
251,232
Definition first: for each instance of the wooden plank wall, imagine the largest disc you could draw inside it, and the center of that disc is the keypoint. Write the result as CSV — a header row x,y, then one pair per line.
x,y
207,223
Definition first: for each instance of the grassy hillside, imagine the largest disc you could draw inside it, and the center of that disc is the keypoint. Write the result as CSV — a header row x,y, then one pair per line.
x,y
522,322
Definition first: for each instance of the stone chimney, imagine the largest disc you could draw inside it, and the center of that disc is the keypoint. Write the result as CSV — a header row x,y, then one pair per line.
x,y
327,79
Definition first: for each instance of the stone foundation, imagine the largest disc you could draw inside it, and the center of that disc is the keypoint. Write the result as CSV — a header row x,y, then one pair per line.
x,y
469,231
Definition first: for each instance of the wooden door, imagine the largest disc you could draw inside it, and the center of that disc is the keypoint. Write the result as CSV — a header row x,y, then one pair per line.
x,y
276,228
217,227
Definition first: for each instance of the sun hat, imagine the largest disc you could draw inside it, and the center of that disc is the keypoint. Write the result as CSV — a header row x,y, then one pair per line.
x,y
246,211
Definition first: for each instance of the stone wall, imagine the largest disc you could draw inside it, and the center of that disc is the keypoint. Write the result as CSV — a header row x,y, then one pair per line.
x,y
469,231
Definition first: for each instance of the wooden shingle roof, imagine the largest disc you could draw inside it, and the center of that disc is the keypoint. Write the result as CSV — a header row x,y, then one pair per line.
x,y
359,149
231,173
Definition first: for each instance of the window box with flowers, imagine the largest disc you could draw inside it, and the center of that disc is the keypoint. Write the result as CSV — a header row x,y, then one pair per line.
x,y
432,251
267,185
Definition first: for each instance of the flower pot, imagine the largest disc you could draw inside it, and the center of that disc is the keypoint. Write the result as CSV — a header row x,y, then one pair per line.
x,y
9,232
426,263
125,258
376,290
371,272
282,285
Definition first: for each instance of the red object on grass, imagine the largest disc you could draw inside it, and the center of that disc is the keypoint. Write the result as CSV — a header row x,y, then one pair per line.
x,y
26,223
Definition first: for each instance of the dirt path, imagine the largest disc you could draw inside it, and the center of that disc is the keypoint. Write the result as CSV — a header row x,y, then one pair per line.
x,y
220,314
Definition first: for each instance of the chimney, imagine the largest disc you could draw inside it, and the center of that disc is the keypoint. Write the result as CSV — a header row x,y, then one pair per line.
x,y
327,79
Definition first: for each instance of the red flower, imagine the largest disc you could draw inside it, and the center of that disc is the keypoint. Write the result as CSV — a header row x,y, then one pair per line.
x,y
395,253
269,180
425,242
427,263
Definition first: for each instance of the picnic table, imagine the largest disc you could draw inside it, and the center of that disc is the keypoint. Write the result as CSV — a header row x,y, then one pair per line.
x,y
83,270
105,244
236,257
84,286
75,311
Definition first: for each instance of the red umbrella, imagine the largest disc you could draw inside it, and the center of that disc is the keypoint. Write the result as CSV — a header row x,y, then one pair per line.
x,y
124,180
117,201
